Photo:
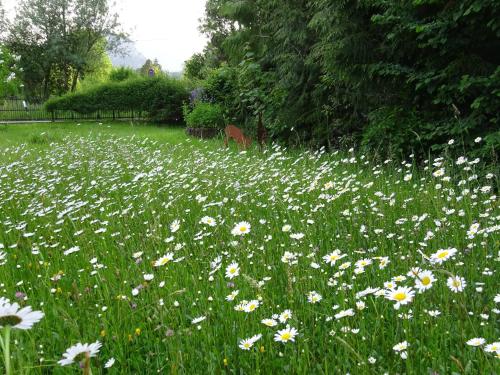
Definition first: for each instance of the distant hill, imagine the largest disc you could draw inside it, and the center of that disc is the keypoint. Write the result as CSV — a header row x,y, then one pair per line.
x,y
131,57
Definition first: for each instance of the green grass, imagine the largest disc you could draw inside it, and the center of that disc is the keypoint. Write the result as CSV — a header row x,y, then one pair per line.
x,y
44,133
114,191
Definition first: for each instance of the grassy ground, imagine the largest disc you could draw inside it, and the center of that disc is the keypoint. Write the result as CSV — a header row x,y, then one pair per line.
x,y
40,134
171,251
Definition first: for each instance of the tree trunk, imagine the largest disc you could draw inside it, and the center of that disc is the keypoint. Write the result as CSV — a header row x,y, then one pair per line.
x,y
75,80
46,84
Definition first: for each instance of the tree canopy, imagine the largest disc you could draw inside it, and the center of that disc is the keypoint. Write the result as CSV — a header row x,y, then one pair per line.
x,y
60,41
400,77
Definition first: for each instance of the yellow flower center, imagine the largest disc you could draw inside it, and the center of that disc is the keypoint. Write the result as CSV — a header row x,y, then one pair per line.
x,y
286,336
243,229
426,280
443,254
401,296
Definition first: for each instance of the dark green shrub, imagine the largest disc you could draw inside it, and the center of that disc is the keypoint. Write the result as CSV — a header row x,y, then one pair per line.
x,y
122,74
221,87
205,115
160,99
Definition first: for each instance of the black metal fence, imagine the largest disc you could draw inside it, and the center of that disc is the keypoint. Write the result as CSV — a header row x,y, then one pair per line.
x,y
22,110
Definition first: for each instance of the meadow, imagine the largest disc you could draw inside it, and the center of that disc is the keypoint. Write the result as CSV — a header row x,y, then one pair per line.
x,y
180,256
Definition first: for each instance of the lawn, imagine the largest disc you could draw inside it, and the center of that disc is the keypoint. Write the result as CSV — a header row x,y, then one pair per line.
x,y
181,256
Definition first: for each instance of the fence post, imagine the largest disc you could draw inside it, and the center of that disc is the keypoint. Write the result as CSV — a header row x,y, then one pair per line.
x,y
53,116
113,114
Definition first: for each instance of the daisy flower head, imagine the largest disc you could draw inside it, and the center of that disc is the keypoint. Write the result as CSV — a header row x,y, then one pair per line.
x,y
269,322
362,263
400,346
401,295
424,281
497,298
289,258
333,257
109,363
168,257
401,349
198,319
251,306
232,296
241,229
456,283
492,348
207,220
285,315
476,341
314,297
285,335
438,172
246,344
232,270
443,255
80,352
12,316
174,227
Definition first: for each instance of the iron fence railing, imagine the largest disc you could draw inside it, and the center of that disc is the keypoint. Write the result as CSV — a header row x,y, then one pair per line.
x,y
21,110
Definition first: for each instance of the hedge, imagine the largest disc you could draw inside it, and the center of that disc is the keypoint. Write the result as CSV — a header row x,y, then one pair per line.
x,y
160,98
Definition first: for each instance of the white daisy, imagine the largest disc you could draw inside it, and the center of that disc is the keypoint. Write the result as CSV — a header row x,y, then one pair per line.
x,y
198,320
232,270
285,335
241,229
78,352
443,255
174,227
168,257
492,348
401,346
314,297
251,306
11,315
269,322
424,281
476,341
333,257
401,295
207,220
109,363
246,344
456,283
285,315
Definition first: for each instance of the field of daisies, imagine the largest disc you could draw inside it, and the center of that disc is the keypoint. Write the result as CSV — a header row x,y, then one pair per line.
x,y
127,254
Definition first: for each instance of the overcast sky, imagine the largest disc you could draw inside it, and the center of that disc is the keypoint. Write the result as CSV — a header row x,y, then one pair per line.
x,y
163,29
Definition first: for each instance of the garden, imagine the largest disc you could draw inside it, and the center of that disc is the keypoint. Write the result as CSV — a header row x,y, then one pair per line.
x,y
166,253
315,193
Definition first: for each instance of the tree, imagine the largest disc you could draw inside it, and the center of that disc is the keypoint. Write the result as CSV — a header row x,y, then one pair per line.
x,y
400,77
3,21
58,40
10,84
148,65
194,68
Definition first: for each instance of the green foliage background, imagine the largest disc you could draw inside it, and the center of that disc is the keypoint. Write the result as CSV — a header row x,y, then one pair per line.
x,y
400,77
161,98
204,115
